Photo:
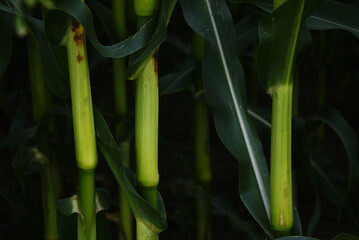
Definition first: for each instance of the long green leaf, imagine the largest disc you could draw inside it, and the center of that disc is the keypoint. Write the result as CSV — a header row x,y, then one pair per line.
x,y
80,11
224,86
347,135
330,15
138,61
281,37
143,211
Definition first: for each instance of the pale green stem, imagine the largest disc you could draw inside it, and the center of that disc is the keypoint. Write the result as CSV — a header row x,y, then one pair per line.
x,y
146,138
84,129
146,125
281,210
281,175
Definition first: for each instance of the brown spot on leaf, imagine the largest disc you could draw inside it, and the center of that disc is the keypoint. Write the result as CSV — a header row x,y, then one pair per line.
x,y
75,25
79,32
79,58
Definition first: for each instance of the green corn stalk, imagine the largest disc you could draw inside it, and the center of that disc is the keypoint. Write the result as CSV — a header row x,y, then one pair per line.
x,y
281,213
146,125
84,129
201,147
41,102
119,81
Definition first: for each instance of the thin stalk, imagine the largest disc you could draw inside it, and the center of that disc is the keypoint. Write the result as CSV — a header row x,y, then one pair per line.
x,y
84,129
87,222
119,80
146,125
201,147
41,101
281,173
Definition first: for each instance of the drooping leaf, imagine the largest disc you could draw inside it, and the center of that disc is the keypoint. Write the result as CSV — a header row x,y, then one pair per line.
x,y
143,211
347,135
138,61
329,15
335,15
223,80
80,11
6,28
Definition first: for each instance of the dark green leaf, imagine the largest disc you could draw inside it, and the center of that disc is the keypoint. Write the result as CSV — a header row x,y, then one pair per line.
x,y
82,13
330,15
335,15
143,211
336,121
103,199
223,80
282,36
247,32
68,206
138,61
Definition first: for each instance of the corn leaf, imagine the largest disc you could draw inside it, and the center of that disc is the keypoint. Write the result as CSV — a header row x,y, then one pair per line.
x,y
330,15
247,32
138,61
80,11
281,38
143,211
347,135
224,85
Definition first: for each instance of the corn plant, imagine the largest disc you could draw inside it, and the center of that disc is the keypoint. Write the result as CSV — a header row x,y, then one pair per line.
x,y
188,76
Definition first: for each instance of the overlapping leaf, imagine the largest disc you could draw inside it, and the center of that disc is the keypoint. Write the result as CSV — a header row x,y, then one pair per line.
x,y
80,11
224,86
347,135
143,211
330,15
281,37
